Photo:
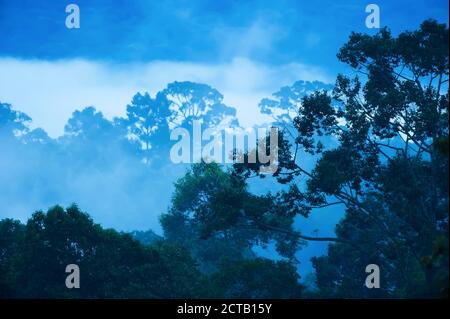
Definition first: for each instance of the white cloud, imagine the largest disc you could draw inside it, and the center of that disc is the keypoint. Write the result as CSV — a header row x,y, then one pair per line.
x,y
50,91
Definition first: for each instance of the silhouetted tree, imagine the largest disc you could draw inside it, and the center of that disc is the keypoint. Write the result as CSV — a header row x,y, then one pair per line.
x,y
147,120
12,122
191,101
387,166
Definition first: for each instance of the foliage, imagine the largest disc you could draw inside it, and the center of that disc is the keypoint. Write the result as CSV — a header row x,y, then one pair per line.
x,y
379,148
33,258
257,278
388,165
213,203
112,265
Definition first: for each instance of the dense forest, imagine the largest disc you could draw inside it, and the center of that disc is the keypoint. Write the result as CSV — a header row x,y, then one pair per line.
x,y
374,145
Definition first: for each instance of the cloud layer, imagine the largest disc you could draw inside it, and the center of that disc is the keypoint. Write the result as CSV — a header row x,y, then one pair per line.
x,y
49,91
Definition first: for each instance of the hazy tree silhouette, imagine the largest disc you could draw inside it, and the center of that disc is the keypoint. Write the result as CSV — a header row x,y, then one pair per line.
x,y
191,101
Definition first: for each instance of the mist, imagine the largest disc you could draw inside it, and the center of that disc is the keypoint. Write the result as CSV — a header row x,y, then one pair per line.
x,y
103,166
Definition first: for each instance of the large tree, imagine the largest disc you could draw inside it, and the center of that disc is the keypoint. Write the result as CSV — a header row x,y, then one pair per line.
x,y
387,167
147,122
91,140
215,217
282,107
214,213
191,102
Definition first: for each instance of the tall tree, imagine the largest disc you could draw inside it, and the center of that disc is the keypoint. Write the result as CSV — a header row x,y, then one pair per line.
x,y
387,167
92,140
214,205
282,107
147,120
191,101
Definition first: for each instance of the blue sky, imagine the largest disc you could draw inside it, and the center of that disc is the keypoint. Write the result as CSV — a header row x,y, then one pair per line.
x,y
274,32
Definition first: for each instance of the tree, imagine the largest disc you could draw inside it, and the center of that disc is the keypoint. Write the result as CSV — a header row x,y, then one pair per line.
x,y
218,221
284,104
386,167
401,113
37,136
147,120
147,237
208,251
12,122
87,124
257,278
92,140
11,240
212,203
191,101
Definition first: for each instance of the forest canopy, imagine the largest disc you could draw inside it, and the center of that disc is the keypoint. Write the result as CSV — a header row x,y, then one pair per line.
x,y
373,145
